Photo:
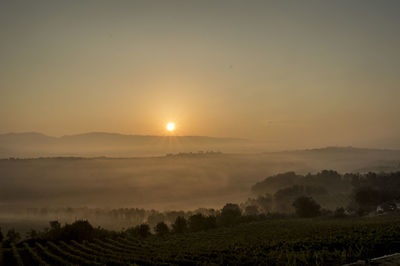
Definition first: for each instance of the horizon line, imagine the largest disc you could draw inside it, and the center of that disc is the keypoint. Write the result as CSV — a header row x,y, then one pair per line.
x,y
121,134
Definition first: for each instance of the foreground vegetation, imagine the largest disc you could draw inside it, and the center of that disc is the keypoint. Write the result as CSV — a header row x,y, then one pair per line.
x,y
318,241
246,234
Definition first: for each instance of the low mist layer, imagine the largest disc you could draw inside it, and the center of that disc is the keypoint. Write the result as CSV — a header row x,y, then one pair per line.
x,y
116,192
182,181
97,144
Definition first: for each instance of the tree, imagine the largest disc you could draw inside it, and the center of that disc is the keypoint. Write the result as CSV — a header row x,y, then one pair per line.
x,y
306,207
210,222
230,214
32,234
265,202
330,176
180,225
1,236
55,225
170,216
13,236
161,229
251,210
155,218
199,222
144,230
274,183
368,198
55,230
79,230
339,213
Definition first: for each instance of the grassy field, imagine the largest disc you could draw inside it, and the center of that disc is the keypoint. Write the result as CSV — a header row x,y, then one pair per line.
x,y
275,242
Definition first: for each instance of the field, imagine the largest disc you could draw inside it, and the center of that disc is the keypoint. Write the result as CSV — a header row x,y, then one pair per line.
x,y
323,241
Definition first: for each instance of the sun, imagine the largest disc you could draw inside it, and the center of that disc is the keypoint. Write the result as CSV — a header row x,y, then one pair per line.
x,y
170,126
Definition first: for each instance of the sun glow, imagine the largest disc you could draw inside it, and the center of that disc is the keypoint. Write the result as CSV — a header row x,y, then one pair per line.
x,y
170,126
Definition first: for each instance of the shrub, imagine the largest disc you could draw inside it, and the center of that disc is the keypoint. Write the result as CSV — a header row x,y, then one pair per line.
x,y
306,207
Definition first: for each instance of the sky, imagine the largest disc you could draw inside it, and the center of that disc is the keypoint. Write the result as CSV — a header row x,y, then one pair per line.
x,y
293,73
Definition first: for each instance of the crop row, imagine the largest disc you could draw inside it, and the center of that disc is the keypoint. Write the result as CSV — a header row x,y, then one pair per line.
x,y
285,242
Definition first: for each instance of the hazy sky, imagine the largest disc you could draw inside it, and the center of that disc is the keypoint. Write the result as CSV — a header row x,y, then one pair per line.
x,y
299,73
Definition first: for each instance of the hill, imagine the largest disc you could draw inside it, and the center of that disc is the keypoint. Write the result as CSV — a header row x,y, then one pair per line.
x,y
33,144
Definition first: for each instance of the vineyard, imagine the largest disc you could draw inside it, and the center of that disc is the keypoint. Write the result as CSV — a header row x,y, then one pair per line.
x,y
275,242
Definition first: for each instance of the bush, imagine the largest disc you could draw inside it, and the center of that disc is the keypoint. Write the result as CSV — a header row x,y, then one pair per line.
x,y
339,213
199,222
180,225
251,210
79,230
230,214
13,236
142,230
161,229
306,207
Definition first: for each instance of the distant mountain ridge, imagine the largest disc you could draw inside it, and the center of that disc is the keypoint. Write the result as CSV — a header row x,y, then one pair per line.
x,y
336,150
35,136
109,135
34,144
94,144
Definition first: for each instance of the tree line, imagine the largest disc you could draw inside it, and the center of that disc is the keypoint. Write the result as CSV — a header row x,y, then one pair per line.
x,y
298,192
354,192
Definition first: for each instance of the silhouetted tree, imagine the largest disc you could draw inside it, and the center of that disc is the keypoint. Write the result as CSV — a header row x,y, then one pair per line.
x,y
161,229
171,216
32,234
339,212
251,210
55,225
230,214
196,222
155,217
274,183
144,230
261,204
200,222
13,236
180,225
285,197
306,207
265,203
55,231
330,176
210,222
79,230
368,198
